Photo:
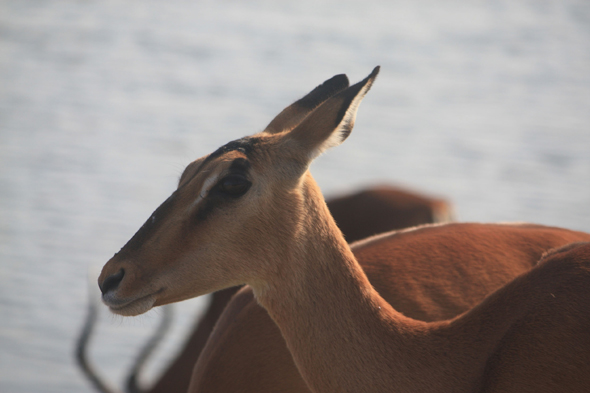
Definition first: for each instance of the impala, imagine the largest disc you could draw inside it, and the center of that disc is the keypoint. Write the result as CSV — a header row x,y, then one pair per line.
x,y
359,215
250,213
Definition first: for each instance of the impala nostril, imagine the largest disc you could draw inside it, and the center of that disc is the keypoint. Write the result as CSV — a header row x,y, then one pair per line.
x,y
112,282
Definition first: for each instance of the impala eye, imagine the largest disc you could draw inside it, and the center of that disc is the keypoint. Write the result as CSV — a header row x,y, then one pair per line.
x,y
234,185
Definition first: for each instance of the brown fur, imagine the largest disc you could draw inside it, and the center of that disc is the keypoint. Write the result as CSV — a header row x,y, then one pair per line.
x,y
460,266
358,215
176,377
280,239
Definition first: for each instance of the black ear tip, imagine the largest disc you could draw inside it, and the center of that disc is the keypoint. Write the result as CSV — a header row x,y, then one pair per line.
x,y
342,78
371,78
337,82
375,72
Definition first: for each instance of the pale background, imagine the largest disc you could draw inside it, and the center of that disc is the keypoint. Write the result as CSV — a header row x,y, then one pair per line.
x,y
103,103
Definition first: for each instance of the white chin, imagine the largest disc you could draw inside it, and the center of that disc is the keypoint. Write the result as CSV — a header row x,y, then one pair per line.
x,y
135,307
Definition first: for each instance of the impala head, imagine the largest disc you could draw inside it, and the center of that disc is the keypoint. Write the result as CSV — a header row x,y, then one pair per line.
x,y
230,220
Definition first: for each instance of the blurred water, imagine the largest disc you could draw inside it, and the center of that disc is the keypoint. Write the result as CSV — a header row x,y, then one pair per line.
x,y
103,103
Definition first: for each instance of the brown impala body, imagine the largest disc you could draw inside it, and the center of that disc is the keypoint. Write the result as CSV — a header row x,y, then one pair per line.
x,y
250,213
429,273
358,215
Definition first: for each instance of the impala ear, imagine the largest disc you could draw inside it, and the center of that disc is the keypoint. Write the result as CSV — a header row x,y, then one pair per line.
x,y
331,123
292,115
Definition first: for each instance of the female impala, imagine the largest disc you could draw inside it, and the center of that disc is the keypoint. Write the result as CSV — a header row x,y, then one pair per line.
x,y
251,213
358,215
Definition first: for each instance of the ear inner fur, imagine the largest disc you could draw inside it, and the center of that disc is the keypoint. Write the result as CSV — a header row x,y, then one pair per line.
x,y
331,123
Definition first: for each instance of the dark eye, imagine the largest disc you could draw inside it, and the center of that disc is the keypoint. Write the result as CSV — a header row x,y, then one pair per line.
x,y
233,185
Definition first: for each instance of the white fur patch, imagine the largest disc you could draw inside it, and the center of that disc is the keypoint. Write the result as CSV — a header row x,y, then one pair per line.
x,y
344,128
207,184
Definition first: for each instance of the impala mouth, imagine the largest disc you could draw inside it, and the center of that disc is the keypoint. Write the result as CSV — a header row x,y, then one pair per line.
x,y
130,307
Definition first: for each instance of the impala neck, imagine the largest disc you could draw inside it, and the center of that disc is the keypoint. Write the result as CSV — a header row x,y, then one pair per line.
x,y
334,322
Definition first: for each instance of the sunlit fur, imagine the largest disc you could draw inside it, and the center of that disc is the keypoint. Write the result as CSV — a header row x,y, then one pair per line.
x,y
432,272
280,239
363,213
194,266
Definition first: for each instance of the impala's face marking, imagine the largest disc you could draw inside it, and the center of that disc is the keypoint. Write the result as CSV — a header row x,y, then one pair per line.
x,y
222,186
210,190
244,145
149,227
239,167
227,222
